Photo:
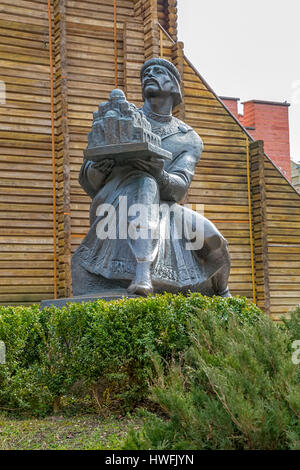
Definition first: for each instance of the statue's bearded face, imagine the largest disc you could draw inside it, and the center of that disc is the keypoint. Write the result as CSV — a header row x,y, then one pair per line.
x,y
156,81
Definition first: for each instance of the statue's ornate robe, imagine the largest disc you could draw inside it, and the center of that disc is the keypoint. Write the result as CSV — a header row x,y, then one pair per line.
x,y
173,267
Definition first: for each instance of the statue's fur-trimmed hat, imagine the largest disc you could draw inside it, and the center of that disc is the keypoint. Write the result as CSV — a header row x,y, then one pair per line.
x,y
177,97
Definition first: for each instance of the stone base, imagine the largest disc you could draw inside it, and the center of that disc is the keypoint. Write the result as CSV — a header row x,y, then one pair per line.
x,y
105,295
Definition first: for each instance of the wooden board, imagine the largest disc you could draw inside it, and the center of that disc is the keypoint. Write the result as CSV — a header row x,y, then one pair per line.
x,y
26,241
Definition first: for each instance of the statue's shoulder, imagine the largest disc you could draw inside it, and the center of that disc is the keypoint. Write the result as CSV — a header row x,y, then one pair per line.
x,y
192,138
182,126
167,128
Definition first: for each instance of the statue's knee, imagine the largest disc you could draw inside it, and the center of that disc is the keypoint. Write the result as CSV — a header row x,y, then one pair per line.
x,y
216,245
146,187
150,183
214,242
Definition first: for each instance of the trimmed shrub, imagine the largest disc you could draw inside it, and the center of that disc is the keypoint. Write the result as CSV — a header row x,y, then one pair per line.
x,y
104,347
236,388
293,324
19,329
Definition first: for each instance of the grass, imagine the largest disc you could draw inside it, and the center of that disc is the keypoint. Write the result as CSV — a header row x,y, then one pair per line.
x,y
85,432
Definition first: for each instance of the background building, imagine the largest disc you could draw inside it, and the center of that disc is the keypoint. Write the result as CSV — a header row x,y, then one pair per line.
x,y
296,174
267,121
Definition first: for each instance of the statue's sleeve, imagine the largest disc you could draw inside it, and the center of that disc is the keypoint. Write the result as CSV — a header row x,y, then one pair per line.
x,y
89,180
174,182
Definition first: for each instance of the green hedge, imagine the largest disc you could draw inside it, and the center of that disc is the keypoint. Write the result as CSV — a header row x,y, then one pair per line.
x,y
106,348
236,387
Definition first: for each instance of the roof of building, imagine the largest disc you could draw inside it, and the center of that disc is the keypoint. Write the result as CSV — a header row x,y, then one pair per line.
x,y
229,98
273,103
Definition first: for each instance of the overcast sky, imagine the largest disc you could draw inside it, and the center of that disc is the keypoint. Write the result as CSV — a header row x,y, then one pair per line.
x,y
247,49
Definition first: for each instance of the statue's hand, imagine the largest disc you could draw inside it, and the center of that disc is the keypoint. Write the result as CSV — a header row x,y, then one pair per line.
x,y
154,166
104,166
98,171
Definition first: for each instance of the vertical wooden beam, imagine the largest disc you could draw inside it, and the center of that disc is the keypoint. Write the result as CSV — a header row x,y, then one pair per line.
x,y
260,225
178,61
115,44
54,214
161,43
172,19
167,16
133,50
137,8
148,12
250,220
63,141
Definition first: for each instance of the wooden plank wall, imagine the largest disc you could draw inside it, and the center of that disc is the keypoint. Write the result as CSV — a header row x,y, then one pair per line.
x,y
167,16
162,13
62,154
146,10
276,211
283,237
133,41
90,72
260,225
84,75
26,242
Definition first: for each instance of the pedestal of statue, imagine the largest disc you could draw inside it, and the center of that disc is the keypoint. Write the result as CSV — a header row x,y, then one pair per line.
x,y
105,295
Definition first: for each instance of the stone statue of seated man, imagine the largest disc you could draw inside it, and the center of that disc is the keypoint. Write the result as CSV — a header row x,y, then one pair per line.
x,y
140,238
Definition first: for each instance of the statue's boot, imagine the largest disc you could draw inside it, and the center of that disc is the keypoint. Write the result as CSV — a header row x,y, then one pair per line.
x,y
220,281
217,260
225,293
142,284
